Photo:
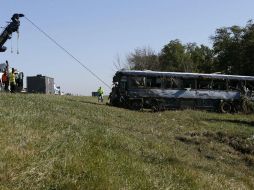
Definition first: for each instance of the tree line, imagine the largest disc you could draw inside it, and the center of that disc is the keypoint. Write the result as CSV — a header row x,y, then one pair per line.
x,y
232,52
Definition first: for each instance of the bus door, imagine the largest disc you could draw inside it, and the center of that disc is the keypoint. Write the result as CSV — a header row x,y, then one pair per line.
x,y
123,85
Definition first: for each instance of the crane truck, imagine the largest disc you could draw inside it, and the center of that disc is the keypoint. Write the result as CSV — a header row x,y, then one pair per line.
x,y
13,26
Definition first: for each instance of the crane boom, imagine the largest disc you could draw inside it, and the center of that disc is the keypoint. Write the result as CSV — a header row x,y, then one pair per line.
x,y
13,26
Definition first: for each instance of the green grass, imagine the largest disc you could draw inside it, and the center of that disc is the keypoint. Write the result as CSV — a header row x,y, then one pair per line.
x,y
53,142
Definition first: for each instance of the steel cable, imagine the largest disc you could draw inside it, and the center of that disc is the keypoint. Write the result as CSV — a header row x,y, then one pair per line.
x,y
66,51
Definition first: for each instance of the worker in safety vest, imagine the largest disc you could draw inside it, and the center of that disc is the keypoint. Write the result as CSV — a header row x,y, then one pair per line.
x,y
12,79
5,81
100,94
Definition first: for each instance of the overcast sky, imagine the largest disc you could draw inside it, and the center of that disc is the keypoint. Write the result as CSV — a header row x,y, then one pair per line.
x,y
95,31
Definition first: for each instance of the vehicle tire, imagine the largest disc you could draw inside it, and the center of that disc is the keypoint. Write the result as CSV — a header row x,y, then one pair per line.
x,y
154,105
225,107
236,108
136,105
155,108
158,106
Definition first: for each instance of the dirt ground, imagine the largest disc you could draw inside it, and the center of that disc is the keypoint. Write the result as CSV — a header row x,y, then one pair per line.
x,y
219,145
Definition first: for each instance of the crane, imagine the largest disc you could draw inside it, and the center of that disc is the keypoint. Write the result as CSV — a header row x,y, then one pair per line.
x,y
13,26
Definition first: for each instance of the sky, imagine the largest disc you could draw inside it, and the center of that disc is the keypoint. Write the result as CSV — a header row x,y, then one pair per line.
x,y
97,31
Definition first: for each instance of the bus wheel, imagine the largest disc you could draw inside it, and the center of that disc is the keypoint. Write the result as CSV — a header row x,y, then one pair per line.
x,y
136,105
155,105
158,107
236,108
155,108
225,107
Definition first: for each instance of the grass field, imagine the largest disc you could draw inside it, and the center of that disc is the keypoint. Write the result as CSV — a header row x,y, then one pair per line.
x,y
64,142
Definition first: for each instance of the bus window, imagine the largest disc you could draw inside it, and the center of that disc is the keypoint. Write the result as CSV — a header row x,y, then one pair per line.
x,y
219,84
167,82
234,85
204,84
189,83
250,85
137,82
177,83
173,83
153,82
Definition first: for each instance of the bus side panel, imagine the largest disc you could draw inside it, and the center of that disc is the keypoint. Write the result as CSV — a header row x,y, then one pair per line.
x,y
184,98
190,94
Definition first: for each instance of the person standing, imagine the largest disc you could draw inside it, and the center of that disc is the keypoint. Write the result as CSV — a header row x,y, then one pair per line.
x,y
12,79
5,81
100,94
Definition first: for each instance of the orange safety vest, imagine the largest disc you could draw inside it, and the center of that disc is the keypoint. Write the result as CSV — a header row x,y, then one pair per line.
x,y
4,78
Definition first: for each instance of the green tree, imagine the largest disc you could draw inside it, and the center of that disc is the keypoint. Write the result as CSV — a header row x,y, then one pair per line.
x,y
175,57
143,59
232,53
203,58
228,47
190,57
248,49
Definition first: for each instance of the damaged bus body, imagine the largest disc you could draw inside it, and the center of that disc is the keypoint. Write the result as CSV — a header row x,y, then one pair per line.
x,y
174,90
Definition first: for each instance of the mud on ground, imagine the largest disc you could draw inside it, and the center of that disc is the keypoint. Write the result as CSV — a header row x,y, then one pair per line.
x,y
221,146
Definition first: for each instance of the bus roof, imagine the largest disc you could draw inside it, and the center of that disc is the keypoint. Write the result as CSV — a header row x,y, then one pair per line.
x,y
184,75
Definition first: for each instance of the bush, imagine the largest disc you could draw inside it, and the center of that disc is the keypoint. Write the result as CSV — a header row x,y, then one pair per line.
x,y
247,105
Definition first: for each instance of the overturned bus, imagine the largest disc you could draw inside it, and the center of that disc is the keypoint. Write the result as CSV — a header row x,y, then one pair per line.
x,y
175,90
